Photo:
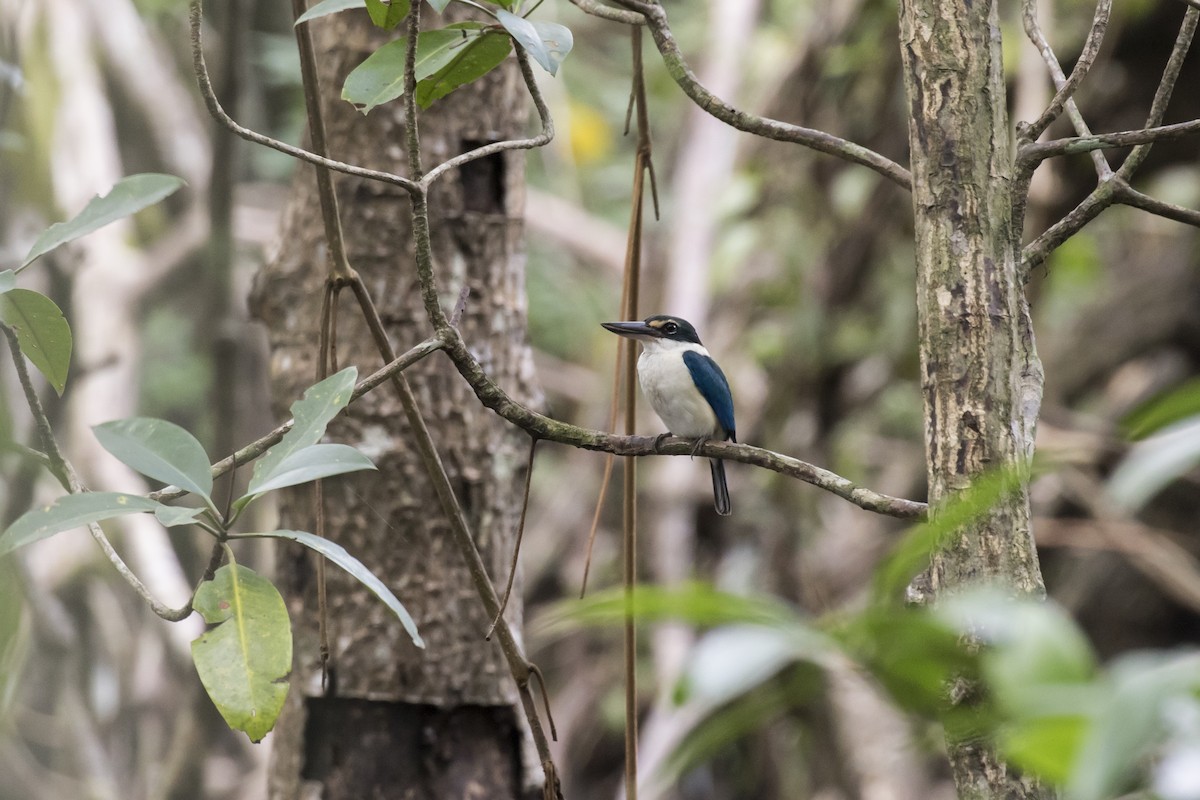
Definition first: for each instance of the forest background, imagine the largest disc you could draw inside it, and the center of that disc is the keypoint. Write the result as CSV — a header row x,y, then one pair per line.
x,y
796,268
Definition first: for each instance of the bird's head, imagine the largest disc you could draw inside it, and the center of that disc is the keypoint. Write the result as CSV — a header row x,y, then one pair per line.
x,y
660,329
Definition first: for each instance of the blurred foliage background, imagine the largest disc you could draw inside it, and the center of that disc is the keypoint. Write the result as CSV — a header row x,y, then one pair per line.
x,y
796,268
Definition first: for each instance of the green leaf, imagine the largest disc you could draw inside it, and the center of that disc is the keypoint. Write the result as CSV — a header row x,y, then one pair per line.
x,y
327,7
15,627
8,280
439,5
42,331
524,34
338,555
130,195
1155,414
380,78
915,656
245,659
1046,746
310,414
387,15
171,516
70,511
1035,651
313,462
1128,724
160,450
557,40
694,602
918,545
1153,463
479,56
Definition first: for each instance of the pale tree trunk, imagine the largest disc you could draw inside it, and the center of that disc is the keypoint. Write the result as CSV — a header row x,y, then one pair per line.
x,y
980,374
396,721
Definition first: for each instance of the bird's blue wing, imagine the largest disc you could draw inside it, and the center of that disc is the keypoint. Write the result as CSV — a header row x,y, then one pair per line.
x,y
711,382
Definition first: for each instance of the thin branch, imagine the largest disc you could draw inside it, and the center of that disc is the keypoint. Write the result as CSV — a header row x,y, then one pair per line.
x,y
1066,86
196,17
677,66
1166,87
1152,131
60,466
1110,191
602,11
486,150
264,443
460,530
1129,196
492,396
1040,151
1037,251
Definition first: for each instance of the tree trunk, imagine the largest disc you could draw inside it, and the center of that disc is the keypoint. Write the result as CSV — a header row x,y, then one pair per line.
x,y
980,373
395,721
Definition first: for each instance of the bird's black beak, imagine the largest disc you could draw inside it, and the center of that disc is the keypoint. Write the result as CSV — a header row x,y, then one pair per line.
x,y
632,330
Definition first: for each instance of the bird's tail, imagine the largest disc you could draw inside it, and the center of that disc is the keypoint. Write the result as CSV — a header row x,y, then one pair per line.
x,y
720,489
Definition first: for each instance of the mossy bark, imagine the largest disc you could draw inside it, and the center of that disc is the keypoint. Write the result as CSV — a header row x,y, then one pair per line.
x,y
980,374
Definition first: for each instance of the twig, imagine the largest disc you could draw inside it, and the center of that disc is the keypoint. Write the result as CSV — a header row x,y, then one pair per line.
x,y
681,72
1066,87
1129,196
196,17
459,529
483,151
61,466
602,11
495,398
512,569
1040,151
1152,131
264,443
1108,191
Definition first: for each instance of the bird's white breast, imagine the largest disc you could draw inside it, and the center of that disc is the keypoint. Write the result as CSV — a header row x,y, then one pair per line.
x,y
669,387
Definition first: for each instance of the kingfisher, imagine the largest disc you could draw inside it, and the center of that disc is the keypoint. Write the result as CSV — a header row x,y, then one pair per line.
x,y
685,386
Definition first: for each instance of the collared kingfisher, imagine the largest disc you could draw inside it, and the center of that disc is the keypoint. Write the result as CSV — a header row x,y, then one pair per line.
x,y
685,386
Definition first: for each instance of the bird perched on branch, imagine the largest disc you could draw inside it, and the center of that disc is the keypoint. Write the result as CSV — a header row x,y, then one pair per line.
x,y
685,386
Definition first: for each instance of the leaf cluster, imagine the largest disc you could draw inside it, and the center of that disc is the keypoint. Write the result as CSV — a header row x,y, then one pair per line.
x,y
244,659
446,58
1016,672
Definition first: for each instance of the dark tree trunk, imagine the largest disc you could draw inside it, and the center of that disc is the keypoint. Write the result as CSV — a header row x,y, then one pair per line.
x,y
395,721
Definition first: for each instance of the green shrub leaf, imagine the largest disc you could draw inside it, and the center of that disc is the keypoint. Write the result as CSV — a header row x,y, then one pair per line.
x,y
311,414
527,36
42,332
71,511
338,555
327,7
172,516
313,462
387,15
557,41
130,195
245,659
380,78
479,56
160,450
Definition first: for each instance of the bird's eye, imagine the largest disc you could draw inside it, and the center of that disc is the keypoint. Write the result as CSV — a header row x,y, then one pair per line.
x,y
670,327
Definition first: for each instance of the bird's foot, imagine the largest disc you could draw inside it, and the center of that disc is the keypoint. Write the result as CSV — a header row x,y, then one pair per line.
x,y
696,445
658,440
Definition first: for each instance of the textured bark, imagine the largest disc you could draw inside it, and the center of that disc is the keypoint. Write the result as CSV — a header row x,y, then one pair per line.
x,y
981,377
386,699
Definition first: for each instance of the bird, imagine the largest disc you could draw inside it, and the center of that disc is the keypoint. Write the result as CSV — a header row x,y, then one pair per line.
x,y
685,386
